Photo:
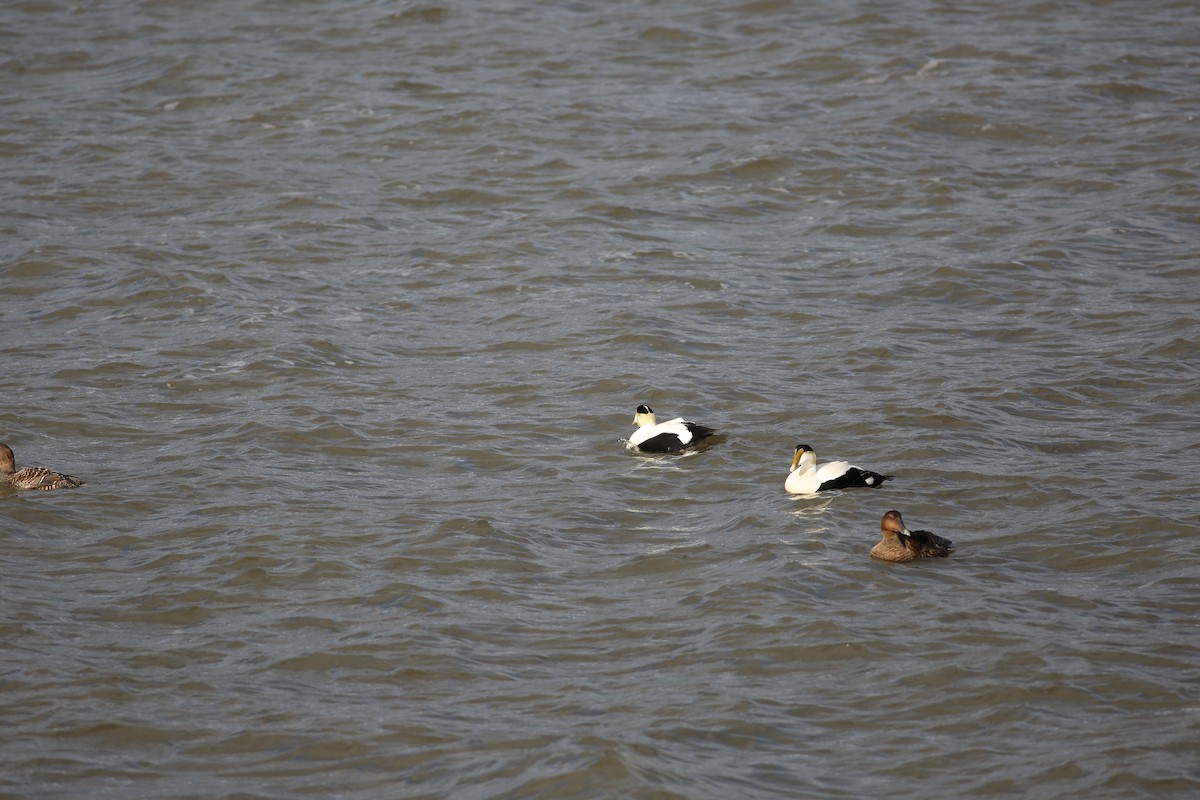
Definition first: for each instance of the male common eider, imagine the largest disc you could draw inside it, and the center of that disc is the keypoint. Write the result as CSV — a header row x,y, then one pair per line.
x,y
901,544
664,437
32,477
806,478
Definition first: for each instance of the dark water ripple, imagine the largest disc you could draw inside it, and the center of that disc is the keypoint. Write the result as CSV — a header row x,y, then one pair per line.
x,y
342,311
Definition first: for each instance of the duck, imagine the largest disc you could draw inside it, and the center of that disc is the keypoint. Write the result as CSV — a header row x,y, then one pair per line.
x,y
671,436
807,478
32,477
901,544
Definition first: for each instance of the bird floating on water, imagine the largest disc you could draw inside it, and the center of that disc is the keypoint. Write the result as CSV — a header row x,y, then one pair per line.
x,y
32,477
901,544
664,437
807,478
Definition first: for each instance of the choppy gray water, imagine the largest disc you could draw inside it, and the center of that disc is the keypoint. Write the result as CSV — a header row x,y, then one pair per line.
x,y
343,309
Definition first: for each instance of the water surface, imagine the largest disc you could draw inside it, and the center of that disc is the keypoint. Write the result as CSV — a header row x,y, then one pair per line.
x,y
343,310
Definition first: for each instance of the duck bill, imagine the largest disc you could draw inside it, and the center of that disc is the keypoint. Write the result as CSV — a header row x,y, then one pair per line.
x,y
796,458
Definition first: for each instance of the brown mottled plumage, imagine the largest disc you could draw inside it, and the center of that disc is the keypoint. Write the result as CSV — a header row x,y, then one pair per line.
x,y
32,477
901,544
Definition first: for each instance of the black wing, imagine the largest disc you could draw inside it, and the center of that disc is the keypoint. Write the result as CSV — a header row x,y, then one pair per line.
x,y
855,478
663,443
670,442
698,431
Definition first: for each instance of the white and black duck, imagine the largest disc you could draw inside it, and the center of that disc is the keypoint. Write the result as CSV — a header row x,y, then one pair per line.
x,y
671,436
807,478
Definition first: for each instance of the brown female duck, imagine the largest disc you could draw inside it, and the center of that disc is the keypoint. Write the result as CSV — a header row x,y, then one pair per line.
x,y
32,477
901,544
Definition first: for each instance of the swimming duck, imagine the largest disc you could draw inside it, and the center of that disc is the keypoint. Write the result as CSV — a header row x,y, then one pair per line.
x,y
664,437
32,477
806,478
901,544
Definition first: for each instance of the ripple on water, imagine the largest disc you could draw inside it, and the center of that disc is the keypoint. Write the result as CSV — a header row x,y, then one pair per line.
x,y
346,345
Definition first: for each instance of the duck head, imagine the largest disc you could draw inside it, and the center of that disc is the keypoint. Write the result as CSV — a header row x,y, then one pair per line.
x,y
644,416
803,456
